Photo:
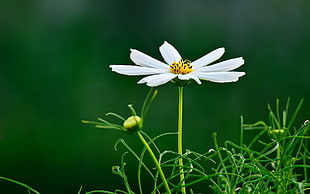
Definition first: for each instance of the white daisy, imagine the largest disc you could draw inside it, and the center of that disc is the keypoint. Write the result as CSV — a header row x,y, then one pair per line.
x,y
176,69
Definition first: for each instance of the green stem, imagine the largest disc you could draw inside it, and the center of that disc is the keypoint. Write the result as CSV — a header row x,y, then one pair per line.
x,y
180,135
161,173
279,190
21,184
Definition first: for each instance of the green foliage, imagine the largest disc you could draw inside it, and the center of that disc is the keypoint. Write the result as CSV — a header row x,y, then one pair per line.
x,y
269,163
236,168
278,166
266,164
275,160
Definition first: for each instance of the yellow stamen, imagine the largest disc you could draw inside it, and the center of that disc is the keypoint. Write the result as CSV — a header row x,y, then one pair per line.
x,y
181,67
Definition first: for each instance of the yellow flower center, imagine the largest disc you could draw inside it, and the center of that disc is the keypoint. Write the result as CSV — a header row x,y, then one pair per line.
x,y
181,67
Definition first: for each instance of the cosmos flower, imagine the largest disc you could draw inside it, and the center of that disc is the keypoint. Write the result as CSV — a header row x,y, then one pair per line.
x,y
177,69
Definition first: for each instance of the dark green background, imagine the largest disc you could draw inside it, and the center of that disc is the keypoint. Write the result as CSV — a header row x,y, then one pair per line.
x,y
54,72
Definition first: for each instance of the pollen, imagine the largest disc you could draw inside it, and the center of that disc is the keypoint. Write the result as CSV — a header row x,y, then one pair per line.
x,y
181,67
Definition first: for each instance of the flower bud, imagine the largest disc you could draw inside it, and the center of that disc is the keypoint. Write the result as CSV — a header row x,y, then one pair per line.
x,y
132,123
276,133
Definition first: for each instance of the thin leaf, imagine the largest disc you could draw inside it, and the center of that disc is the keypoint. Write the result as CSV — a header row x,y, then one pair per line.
x,y
295,114
115,115
19,183
122,141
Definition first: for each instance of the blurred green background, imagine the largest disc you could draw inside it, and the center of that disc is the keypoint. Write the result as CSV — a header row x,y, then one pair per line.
x,y
54,72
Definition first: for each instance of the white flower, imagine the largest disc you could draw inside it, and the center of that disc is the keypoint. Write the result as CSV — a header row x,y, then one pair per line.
x,y
159,73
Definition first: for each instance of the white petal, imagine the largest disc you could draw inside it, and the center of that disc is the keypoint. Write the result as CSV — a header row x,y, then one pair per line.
x,y
208,58
220,77
169,53
223,66
142,59
156,80
189,76
135,70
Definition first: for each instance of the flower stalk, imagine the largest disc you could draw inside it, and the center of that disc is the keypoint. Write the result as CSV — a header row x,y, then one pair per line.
x,y
180,137
161,173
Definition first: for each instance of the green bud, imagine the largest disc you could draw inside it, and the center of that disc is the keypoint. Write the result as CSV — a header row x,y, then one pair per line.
x,y
132,123
276,133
